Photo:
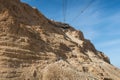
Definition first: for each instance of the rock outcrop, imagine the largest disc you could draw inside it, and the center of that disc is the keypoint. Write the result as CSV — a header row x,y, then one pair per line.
x,y
33,47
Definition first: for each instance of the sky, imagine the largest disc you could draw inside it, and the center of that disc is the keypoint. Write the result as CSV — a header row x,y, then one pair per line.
x,y
100,22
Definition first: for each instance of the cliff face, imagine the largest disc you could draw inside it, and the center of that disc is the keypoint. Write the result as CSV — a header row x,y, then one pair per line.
x,y
33,47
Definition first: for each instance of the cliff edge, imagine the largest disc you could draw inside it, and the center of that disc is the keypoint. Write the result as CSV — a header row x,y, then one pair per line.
x,y
33,47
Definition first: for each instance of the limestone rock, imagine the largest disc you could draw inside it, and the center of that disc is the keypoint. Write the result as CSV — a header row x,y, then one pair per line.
x,y
33,47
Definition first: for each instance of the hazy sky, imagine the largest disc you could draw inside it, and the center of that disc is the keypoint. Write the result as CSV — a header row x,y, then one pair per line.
x,y
100,22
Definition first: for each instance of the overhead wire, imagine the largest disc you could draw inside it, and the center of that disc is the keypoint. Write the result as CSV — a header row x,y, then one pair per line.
x,y
64,8
83,10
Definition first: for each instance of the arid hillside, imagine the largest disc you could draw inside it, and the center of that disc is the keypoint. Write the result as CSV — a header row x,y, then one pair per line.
x,y
33,47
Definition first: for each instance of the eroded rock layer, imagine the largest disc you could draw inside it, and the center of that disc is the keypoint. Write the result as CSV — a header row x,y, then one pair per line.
x,y
33,47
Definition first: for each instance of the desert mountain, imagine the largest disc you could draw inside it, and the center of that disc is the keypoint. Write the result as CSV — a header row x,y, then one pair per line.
x,y
33,47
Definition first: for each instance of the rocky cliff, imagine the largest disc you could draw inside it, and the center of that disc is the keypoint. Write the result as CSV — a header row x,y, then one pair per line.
x,y
33,47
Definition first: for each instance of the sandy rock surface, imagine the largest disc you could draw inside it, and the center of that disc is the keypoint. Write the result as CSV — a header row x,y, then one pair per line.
x,y
33,47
